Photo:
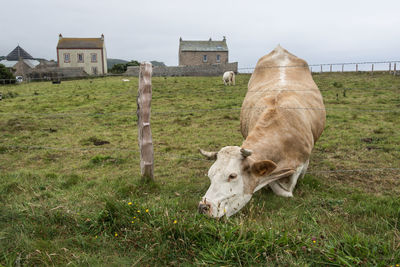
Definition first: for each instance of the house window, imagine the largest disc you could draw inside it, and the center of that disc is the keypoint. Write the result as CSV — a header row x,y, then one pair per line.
x,y
93,57
204,58
94,70
66,58
80,58
218,58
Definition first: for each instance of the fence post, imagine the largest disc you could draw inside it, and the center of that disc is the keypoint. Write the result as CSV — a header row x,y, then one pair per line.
x,y
342,67
330,68
394,69
356,67
321,68
372,69
390,67
144,130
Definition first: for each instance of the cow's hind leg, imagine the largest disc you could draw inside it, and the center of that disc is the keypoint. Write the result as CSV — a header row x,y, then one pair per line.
x,y
285,186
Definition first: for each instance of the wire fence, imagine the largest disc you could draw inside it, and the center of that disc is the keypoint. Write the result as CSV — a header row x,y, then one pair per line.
x,y
188,157
193,110
366,66
9,148
328,64
159,93
96,149
59,78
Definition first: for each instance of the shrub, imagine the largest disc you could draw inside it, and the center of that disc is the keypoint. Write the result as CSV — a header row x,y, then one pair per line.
x,y
122,67
6,74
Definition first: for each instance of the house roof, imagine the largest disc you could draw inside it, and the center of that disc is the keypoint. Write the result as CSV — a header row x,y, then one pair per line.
x,y
8,63
31,63
18,53
11,63
68,43
203,45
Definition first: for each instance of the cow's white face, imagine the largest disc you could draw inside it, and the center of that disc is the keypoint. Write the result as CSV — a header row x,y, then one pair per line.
x,y
233,180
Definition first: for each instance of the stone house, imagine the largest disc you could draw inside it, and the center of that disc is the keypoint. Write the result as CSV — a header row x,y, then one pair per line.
x,y
20,62
192,53
87,53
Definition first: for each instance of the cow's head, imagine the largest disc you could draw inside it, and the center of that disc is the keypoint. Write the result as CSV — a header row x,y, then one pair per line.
x,y
234,177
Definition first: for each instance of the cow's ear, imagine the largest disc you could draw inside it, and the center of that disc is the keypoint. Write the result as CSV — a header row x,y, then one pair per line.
x,y
263,167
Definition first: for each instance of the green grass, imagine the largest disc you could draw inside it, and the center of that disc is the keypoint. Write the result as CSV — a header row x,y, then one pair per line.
x,y
69,169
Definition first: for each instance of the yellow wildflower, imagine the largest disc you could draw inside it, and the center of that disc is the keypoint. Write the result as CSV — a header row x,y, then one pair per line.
x,y
175,221
147,210
138,211
134,217
116,234
129,203
132,221
314,241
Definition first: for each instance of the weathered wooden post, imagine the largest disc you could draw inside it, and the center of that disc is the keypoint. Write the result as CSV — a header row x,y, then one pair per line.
x,y
372,69
342,67
356,67
390,67
321,68
330,68
394,68
144,130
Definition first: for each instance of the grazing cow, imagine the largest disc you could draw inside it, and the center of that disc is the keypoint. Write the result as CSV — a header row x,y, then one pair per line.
x,y
282,117
229,78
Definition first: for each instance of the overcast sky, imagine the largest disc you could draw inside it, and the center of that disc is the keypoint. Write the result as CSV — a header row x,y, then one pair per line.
x,y
317,31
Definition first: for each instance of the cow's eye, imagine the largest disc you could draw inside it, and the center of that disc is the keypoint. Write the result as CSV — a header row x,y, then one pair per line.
x,y
232,176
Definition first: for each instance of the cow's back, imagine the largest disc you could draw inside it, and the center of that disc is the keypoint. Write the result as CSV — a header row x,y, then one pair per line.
x,y
283,97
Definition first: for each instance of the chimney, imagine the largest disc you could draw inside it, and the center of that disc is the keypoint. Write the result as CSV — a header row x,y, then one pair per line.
x,y
102,37
180,39
60,36
224,39
210,39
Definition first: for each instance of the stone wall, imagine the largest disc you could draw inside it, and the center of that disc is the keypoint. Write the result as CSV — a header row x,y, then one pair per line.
x,y
200,70
56,73
21,69
190,58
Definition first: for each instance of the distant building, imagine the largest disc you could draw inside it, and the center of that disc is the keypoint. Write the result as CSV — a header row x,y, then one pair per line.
x,y
203,52
20,62
87,53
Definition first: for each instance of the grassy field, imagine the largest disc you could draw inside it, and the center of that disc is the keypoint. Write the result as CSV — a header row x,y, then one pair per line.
x,y
71,194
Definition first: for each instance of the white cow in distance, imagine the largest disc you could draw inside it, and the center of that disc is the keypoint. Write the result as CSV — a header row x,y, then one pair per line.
x,y
282,117
229,78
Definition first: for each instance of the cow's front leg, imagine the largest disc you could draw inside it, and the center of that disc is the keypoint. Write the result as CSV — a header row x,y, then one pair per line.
x,y
279,190
284,187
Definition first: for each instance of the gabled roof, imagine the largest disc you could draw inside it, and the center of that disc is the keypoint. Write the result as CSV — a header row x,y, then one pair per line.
x,y
18,53
31,63
203,45
8,63
67,43
11,63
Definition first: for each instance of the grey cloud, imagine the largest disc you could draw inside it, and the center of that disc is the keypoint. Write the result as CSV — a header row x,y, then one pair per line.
x,y
318,31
